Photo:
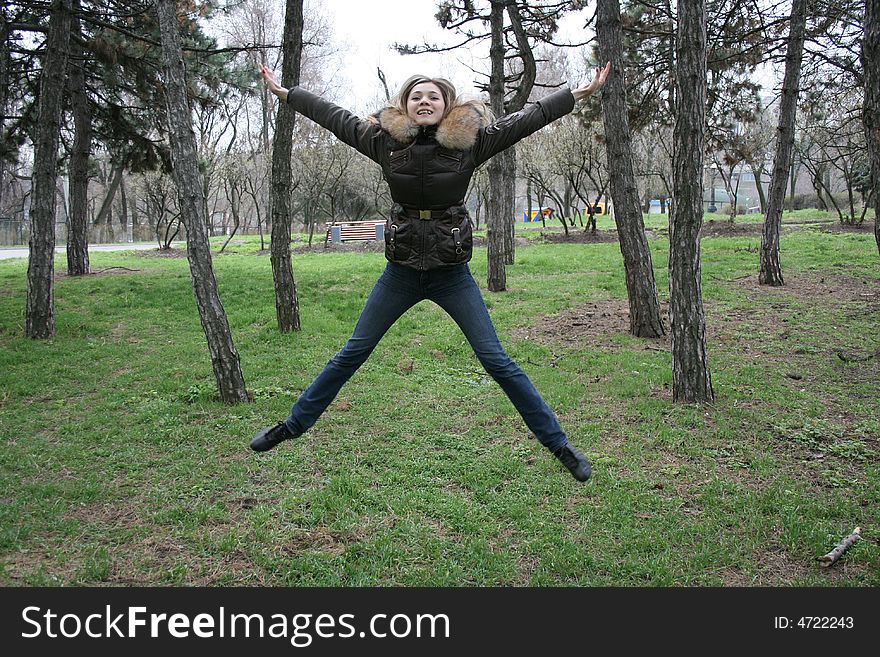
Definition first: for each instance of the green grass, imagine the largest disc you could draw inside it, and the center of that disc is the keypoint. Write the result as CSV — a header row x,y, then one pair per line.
x,y
118,465
661,221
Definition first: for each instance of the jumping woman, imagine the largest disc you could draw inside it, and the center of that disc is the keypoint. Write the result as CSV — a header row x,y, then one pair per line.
x,y
428,143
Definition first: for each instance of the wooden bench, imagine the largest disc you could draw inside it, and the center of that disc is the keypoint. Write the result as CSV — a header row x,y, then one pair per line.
x,y
355,230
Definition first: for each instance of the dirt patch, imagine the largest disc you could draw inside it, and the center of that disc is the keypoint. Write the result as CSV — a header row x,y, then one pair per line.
x,y
360,246
321,539
593,320
713,228
865,228
577,236
819,287
113,515
609,317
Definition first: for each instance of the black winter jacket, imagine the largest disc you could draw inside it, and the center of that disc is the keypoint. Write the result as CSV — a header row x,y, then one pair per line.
x,y
429,169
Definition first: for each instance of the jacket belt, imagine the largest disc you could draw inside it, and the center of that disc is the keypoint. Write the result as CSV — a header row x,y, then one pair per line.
x,y
415,213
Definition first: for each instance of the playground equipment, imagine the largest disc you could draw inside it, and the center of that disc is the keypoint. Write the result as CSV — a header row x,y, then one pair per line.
x,y
549,213
537,215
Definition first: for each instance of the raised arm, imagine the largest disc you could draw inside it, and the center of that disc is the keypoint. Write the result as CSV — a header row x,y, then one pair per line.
x,y
348,127
508,130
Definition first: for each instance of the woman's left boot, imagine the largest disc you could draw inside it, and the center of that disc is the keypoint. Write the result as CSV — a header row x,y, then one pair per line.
x,y
576,462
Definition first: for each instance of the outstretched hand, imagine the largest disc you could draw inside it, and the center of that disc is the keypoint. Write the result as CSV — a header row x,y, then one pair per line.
x,y
272,83
596,84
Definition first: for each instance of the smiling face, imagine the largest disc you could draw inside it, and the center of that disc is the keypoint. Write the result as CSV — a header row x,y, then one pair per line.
x,y
425,104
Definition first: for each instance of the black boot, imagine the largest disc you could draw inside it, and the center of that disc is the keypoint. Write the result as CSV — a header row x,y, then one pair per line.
x,y
271,436
576,462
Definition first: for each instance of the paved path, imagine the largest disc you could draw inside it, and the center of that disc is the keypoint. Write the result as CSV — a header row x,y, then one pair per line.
x,y
6,253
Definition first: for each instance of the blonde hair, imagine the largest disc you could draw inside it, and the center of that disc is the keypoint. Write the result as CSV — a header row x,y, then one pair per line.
x,y
447,90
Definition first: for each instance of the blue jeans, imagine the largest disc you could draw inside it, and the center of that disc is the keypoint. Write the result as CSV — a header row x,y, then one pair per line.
x,y
455,290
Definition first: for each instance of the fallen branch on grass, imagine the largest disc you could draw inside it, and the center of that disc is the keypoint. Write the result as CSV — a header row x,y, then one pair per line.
x,y
831,558
101,271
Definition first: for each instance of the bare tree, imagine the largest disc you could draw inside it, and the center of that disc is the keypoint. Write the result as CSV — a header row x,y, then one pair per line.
x,y
691,380
582,163
771,268
233,186
644,305
834,151
224,357
756,143
159,207
40,316
255,21
537,167
871,112
104,213
653,159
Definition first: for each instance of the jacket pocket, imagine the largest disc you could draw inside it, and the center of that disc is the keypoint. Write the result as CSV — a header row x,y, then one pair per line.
x,y
448,159
454,237
398,236
398,159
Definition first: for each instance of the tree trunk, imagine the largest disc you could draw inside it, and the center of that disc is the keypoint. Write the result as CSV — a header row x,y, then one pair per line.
x,y
508,198
5,60
817,178
644,306
40,315
771,269
871,116
104,214
184,158
519,100
78,226
758,173
691,380
127,219
234,197
495,224
286,300
793,178
528,216
137,233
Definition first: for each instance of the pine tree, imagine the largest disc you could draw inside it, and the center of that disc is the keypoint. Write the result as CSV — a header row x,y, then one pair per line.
x,y
224,357
771,268
871,112
40,314
644,305
286,300
691,380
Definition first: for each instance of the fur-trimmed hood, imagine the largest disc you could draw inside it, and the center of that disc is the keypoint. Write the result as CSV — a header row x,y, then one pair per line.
x,y
457,131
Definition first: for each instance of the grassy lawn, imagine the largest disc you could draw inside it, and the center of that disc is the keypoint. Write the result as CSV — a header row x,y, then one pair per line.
x,y
119,467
